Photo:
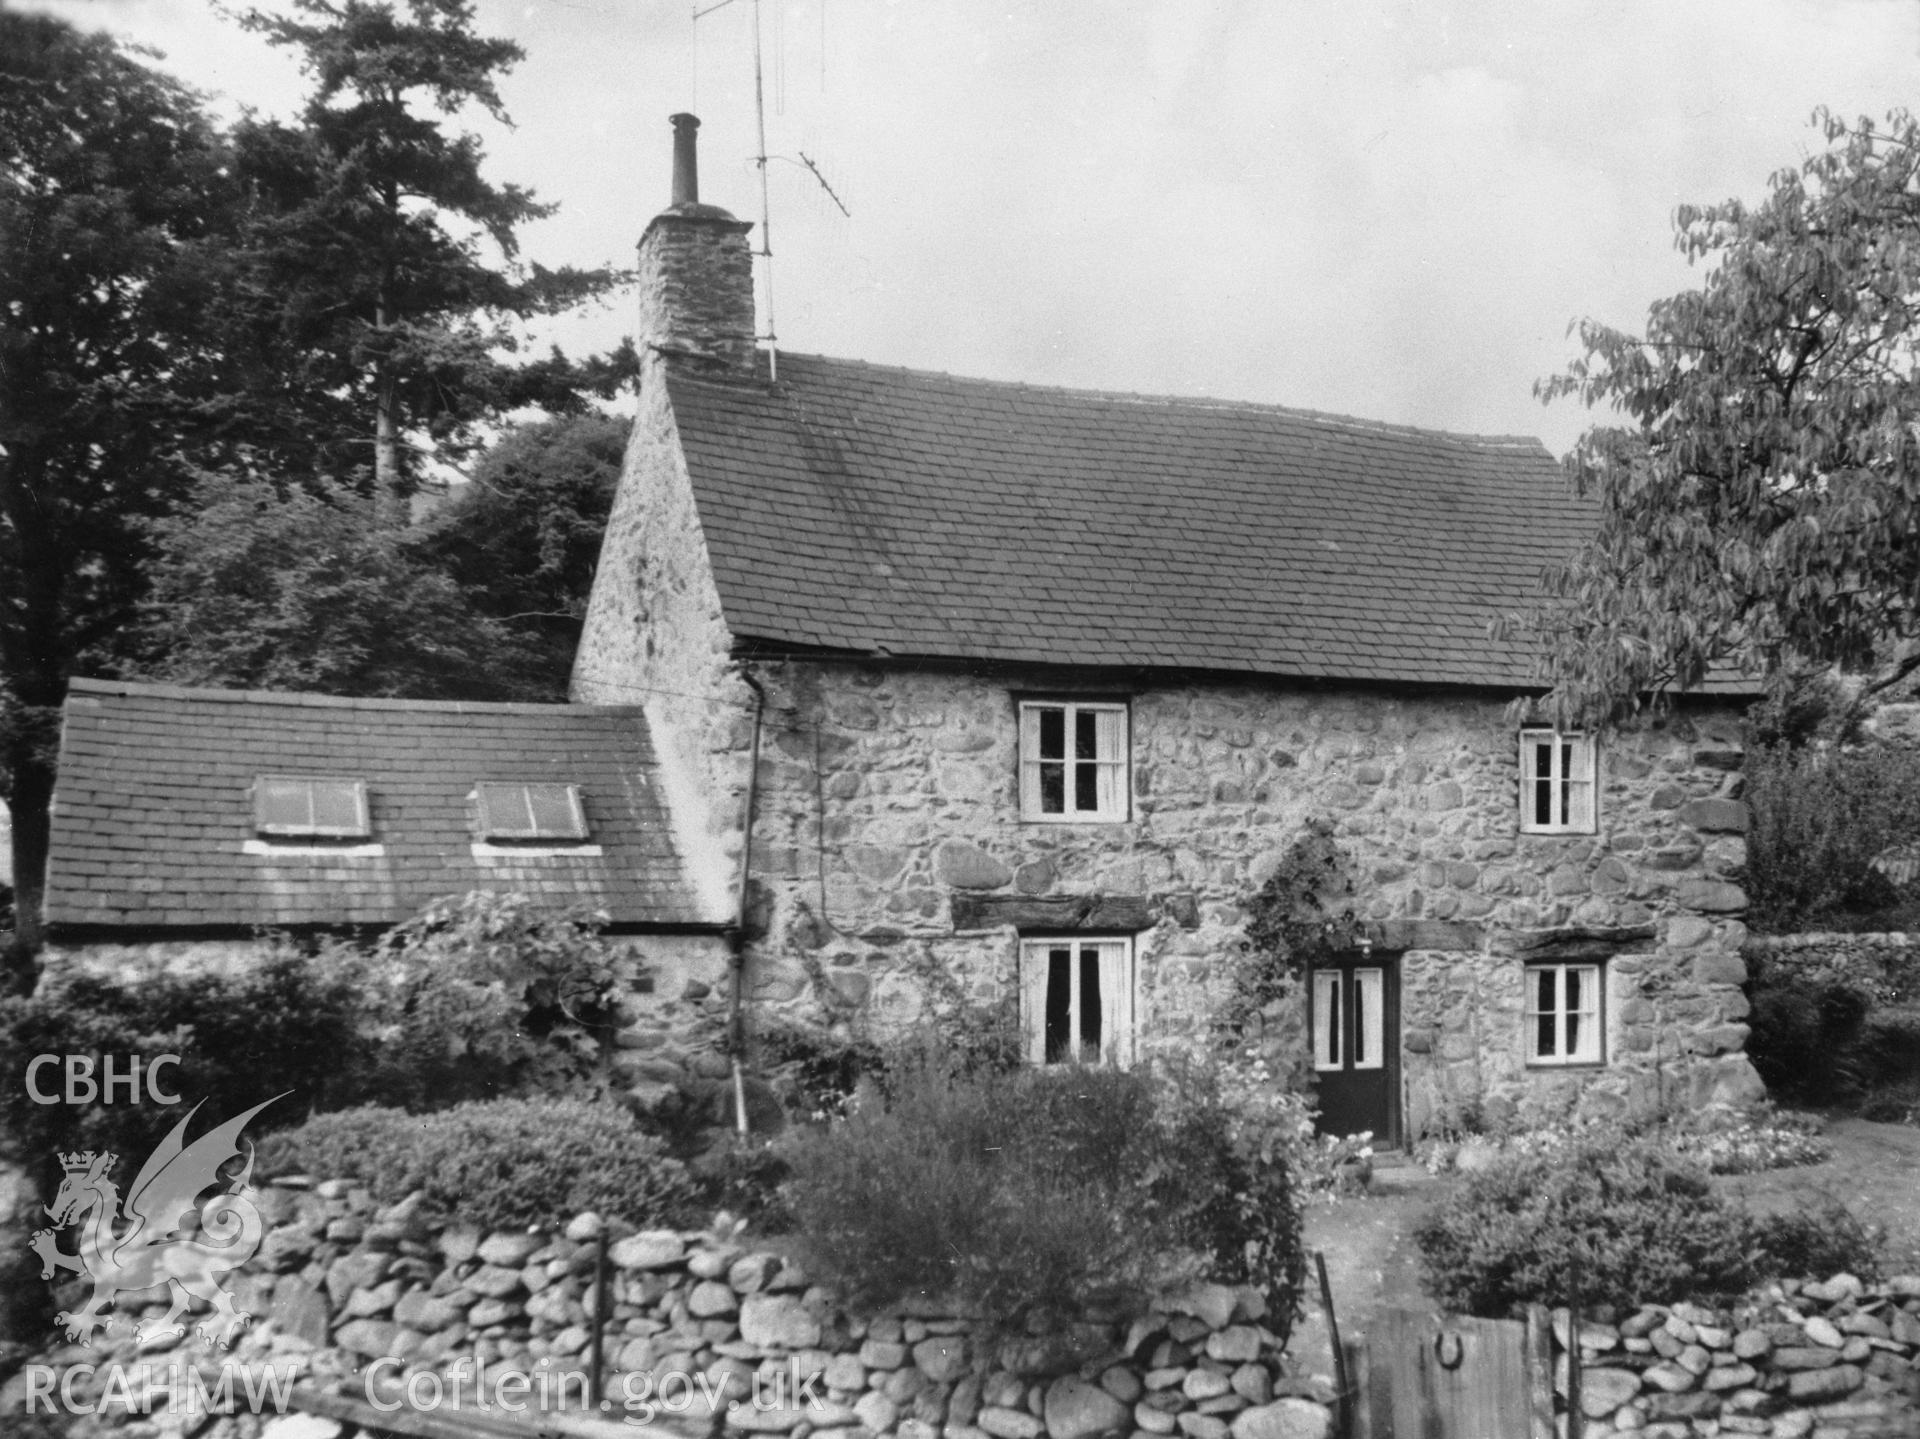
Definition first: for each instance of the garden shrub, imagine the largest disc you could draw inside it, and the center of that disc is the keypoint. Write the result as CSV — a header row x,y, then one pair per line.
x,y
480,996
815,1069
1819,818
1836,1025
500,1164
1803,1034
1638,1221
1890,1046
491,994
1814,1243
285,1025
746,1179
1036,1190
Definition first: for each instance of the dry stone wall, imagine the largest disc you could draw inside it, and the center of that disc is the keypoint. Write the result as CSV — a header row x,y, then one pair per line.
x,y
385,1306
1837,1359
1884,965
888,844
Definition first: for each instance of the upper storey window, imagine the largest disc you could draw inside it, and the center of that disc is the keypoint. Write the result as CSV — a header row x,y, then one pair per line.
x,y
1556,782
1073,761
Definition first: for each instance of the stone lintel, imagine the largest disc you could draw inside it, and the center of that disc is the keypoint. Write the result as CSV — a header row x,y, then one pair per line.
x,y
1580,941
1444,934
1069,912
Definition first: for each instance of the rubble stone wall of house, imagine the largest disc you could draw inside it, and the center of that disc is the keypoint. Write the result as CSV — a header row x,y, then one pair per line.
x,y
897,813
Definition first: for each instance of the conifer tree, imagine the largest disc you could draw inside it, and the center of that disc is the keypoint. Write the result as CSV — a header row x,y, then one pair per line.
x,y
384,274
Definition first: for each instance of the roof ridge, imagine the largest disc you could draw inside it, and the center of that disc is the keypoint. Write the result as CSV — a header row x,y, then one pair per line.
x,y
1202,403
81,684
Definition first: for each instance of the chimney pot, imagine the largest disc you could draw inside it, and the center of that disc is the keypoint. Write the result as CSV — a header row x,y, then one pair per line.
x,y
695,272
686,160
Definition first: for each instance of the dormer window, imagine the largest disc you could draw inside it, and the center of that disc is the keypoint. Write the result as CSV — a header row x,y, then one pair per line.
x,y
307,807
549,812
1556,782
1073,761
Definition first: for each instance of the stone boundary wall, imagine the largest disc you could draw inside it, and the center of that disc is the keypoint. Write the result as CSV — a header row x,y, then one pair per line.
x,y
1887,965
1831,1359
346,1293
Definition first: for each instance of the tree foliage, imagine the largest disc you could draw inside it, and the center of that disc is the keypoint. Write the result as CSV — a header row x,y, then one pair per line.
x,y
113,197
1825,819
310,308
1759,508
522,537
261,587
384,272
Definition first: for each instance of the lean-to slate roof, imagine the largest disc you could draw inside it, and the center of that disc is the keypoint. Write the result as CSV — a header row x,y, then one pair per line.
x,y
879,510
153,816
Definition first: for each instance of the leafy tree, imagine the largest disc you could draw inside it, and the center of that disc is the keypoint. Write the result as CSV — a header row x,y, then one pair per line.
x,y
522,537
298,589
370,276
1760,507
113,191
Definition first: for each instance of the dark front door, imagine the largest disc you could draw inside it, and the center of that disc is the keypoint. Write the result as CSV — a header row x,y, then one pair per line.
x,y
1354,1004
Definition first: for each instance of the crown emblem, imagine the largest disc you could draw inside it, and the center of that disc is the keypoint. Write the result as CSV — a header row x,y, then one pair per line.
x,y
77,1162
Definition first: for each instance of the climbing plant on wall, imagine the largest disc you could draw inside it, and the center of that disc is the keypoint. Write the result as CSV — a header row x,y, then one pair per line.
x,y
1301,915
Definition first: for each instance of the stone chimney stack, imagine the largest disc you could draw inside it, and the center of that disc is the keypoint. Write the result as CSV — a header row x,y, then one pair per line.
x,y
696,271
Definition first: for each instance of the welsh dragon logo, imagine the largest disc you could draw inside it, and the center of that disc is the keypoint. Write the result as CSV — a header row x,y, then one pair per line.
x,y
149,1250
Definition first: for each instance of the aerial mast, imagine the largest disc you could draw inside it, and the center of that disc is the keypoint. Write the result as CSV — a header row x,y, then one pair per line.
x,y
765,252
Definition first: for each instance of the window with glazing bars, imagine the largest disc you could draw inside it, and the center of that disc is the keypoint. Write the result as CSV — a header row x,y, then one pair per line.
x,y
1076,1000
1563,1014
1073,761
1556,782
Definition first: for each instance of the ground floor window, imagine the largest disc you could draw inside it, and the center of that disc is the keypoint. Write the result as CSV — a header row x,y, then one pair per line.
x,y
1076,1000
1563,1014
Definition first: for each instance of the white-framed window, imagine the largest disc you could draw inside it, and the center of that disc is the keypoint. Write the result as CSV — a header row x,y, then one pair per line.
x,y
1076,1000
1349,1020
1073,760
1557,782
310,807
529,811
1563,1014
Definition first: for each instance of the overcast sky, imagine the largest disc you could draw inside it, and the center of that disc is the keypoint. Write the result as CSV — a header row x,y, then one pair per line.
x,y
1380,209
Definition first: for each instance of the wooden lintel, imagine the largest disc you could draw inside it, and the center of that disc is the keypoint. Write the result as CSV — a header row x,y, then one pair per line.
x,y
1067,913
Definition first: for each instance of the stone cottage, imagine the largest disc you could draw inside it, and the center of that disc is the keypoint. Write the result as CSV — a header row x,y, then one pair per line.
x,y
1032,688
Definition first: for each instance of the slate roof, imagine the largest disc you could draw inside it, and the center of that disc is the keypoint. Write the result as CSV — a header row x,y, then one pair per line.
x,y
888,511
153,815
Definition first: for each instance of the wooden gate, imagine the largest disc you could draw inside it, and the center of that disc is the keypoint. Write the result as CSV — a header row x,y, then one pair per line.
x,y
1431,1376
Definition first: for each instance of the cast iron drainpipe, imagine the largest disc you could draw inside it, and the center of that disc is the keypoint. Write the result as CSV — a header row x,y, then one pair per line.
x,y
737,933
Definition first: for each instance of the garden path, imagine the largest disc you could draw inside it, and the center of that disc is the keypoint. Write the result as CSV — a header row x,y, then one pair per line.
x,y
1372,1262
